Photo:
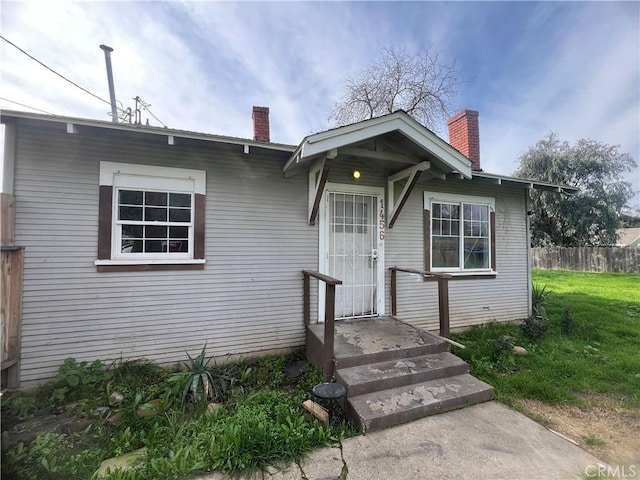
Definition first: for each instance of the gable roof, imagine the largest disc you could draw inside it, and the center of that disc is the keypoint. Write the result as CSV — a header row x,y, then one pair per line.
x,y
398,127
7,115
426,144
628,236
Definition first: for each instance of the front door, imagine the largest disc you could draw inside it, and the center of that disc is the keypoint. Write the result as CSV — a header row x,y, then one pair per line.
x,y
352,250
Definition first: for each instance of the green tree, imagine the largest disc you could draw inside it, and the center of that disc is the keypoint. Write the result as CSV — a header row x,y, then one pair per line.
x,y
589,217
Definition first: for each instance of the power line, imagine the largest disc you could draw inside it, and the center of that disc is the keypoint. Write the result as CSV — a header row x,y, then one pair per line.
x,y
27,106
151,113
53,71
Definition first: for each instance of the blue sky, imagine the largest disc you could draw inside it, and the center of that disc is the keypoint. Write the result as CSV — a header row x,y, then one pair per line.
x,y
528,67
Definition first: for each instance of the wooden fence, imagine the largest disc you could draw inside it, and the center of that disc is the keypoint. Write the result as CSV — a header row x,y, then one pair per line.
x,y
11,270
588,259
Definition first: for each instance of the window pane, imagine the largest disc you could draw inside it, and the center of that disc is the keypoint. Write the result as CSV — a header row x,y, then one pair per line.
x,y
153,246
155,214
467,228
173,246
178,232
483,213
445,252
179,215
155,198
437,227
446,227
455,211
179,200
467,212
132,231
155,232
130,197
455,227
131,246
476,253
130,213
436,210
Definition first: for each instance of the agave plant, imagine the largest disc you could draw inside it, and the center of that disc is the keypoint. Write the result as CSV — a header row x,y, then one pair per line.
x,y
198,381
539,296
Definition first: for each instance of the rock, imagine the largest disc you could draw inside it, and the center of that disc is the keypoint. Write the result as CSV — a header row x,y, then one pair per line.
x,y
116,399
123,462
27,431
212,407
101,412
520,350
150,408
77,425
113,418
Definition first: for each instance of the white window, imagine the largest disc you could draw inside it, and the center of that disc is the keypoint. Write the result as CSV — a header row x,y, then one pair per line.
x,y
154,214
459,233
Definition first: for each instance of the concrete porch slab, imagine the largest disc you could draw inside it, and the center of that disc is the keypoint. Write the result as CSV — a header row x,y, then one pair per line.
x,y
376,339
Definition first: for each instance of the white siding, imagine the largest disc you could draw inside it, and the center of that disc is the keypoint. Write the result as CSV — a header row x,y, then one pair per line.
x,y
248,298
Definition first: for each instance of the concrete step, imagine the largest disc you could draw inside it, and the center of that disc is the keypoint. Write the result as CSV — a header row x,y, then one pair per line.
x,y
363,379
378,410
380,339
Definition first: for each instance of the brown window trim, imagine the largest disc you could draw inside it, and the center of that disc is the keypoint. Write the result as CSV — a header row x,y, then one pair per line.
x,y
150,267
105,222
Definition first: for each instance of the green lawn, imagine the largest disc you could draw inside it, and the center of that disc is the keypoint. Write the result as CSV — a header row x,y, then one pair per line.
x,y
599,355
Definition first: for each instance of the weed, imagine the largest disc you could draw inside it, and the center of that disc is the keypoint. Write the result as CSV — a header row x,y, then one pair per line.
x,y
18,404
535,328
593,440
77,380
503,345
567,323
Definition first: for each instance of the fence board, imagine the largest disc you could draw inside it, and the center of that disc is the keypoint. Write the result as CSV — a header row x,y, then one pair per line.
x,y
11,266
588,259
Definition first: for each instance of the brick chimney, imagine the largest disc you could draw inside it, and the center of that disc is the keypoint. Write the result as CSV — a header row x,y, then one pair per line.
x,y
464,135
261,124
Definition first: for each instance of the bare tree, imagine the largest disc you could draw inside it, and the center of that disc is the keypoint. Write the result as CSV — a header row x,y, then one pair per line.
x,y
418,84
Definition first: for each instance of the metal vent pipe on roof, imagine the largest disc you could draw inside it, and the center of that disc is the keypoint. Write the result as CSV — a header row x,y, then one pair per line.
x,y
112,90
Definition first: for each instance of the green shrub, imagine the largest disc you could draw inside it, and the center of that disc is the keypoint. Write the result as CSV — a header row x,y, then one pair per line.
x,y
535,328
77,380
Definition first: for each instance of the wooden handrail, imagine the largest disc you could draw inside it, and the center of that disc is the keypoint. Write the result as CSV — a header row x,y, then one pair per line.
x,y
329,315
443,294
321,276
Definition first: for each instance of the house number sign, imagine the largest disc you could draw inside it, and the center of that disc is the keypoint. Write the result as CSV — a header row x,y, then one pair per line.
x,y
381,222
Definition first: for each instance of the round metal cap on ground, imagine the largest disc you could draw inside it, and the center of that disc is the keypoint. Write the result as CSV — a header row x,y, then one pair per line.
x,y
329,391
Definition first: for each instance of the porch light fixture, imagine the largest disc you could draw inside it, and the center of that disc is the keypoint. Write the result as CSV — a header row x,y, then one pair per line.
x,y
356,174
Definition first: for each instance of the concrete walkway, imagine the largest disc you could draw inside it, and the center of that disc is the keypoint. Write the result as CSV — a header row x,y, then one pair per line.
x,y
486,441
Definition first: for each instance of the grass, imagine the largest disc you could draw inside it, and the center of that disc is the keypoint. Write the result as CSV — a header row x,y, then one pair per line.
x,y
591,346
260,421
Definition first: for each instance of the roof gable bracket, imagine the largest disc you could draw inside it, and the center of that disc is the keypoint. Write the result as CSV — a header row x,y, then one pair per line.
x,y
321,168
413,173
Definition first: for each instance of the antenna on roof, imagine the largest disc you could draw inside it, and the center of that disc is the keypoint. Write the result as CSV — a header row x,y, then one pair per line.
x,y
112,90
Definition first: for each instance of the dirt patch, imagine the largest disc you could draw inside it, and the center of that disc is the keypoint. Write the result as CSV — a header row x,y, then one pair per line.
x,y
602,427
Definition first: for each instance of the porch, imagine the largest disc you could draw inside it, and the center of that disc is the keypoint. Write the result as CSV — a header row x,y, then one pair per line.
x,y
393,372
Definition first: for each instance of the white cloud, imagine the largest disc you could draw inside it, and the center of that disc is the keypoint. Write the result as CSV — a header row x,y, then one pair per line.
x,y
587,86
202,65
